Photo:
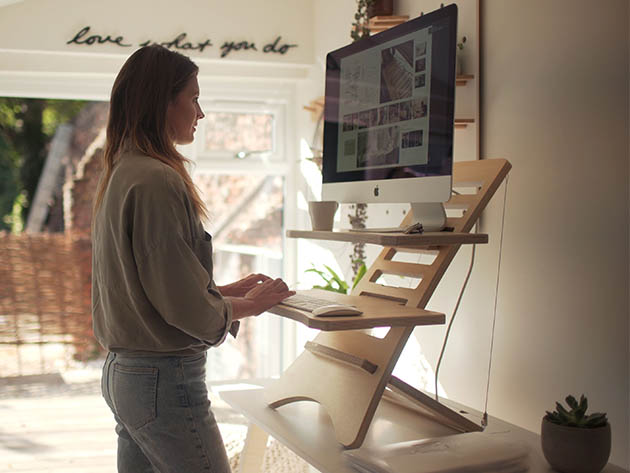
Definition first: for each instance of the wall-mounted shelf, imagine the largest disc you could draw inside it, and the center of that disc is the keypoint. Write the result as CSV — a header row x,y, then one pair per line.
x,y
463,122
382,23
462,79
316,108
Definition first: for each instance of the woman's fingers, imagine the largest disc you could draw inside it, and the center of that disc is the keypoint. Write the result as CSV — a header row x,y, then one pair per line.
x,y
256,278
271,287
278,285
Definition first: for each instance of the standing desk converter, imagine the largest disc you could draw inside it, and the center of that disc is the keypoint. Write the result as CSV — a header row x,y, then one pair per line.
x,y
345,369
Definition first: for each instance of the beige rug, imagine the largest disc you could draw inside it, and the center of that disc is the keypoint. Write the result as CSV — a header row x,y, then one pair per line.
x,y
277,459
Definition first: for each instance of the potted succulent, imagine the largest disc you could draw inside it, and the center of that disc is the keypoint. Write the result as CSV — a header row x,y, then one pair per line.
x,y
574,442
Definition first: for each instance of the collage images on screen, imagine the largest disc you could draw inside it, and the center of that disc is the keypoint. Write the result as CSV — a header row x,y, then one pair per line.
x,y
384,105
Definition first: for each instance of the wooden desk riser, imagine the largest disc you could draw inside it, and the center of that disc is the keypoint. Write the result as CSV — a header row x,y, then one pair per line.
x,y
345,369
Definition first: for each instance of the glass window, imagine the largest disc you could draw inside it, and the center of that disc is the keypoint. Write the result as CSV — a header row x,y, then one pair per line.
x,y
238,132
246,227
245,201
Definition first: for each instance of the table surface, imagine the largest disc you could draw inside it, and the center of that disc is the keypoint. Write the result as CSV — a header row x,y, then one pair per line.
x,y
305,428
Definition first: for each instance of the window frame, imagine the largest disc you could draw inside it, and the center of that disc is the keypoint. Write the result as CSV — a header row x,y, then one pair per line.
x,y
225,157
282,106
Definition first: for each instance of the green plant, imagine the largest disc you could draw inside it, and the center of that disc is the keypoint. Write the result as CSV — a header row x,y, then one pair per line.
x,y
460,45
360,29
334,283
576,417
361,25
27,127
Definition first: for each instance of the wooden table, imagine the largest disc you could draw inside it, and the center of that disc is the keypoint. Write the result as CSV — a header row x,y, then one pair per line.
x,y
305,428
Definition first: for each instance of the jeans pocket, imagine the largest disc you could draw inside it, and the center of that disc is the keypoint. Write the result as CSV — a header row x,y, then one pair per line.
x,y
135,394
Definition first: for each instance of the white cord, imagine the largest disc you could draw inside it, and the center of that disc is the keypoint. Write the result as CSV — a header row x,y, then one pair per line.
x,y
496,297
494,318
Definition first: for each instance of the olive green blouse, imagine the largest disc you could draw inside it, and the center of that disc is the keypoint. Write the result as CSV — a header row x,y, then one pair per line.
x,y
152,287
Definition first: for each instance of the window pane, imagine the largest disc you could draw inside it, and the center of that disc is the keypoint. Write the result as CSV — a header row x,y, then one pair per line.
x,y
246,227
224,131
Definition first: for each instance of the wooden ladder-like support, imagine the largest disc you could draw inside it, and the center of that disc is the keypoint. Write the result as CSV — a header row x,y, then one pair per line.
x,y
347,371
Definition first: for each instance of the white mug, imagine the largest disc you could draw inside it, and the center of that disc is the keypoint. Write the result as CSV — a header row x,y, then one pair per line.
x,y
322,214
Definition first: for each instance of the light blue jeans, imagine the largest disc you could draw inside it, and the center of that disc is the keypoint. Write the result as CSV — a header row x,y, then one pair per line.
x,y
163,416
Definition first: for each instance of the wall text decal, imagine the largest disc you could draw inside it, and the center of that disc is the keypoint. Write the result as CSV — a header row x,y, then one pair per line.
x,y
85,38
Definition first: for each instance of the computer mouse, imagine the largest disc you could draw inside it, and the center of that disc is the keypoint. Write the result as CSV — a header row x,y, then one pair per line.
x,y
336,309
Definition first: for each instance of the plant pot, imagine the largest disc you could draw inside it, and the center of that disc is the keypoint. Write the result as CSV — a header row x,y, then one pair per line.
x,y
381,8
575,449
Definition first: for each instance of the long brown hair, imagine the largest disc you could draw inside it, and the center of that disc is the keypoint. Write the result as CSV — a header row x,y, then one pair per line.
x,y
148,81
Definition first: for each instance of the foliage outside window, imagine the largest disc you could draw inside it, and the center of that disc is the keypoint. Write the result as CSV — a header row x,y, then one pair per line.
x,y
26,129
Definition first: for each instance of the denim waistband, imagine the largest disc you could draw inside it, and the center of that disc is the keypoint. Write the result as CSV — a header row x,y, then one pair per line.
x,y
156,356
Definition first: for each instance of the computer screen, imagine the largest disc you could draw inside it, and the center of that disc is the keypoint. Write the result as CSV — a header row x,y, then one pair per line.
x,y
389,111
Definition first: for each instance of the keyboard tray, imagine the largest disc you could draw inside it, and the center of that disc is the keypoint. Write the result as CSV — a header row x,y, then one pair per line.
x,y
377,312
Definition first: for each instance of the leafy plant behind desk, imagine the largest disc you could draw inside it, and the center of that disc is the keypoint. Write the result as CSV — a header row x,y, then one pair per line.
x,y
334,282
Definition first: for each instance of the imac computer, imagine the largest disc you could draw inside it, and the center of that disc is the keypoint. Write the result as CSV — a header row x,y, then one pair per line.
x,y
389,116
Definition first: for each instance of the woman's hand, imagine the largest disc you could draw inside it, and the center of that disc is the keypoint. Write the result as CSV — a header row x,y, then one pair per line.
x,y
242,287
259,299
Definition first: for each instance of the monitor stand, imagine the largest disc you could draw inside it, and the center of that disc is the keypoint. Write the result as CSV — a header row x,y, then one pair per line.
x,y
431,215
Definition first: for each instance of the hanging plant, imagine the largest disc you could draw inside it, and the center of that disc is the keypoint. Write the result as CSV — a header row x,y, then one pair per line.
x,y
357,220
360,30
361,24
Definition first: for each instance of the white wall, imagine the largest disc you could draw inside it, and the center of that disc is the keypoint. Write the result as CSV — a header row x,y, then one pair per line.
x,y
555,103
44,25
35,59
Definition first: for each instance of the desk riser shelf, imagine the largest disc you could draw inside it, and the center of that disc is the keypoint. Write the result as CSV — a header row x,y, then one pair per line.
x,y
399,240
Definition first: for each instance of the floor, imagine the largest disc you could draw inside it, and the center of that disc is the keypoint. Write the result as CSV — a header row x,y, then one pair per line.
x,y
60,424
63,434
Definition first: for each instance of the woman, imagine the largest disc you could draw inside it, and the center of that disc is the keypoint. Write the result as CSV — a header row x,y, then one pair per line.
x,y
156,307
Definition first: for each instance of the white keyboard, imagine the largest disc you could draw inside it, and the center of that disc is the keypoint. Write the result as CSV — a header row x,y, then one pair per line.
x,y
307,303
